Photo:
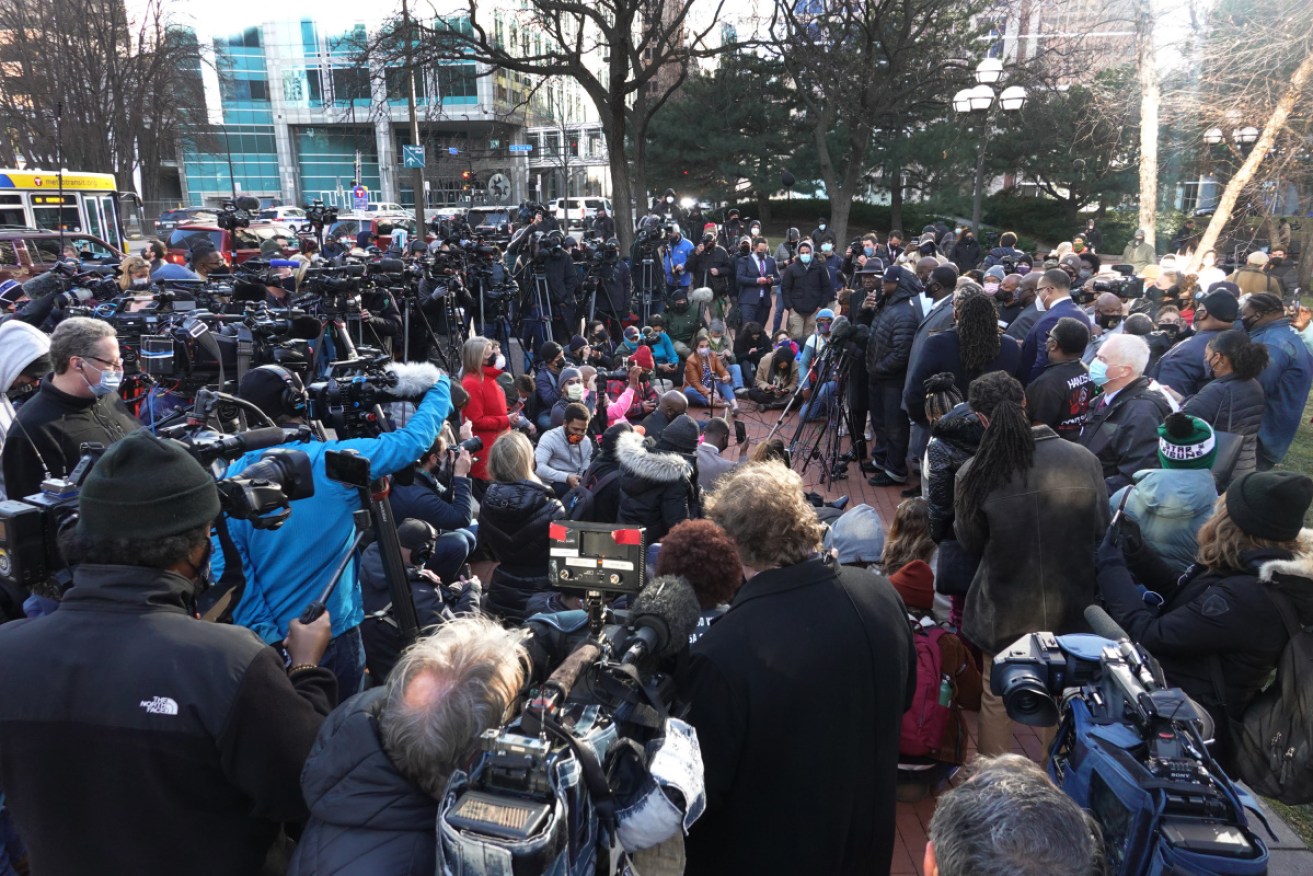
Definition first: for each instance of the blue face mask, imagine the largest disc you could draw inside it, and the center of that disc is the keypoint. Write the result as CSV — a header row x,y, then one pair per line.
x,y
869,250
827,247
109,382
1098,372
805,258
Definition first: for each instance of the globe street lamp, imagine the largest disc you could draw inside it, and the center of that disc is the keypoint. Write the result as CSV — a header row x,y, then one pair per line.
x,y
978,101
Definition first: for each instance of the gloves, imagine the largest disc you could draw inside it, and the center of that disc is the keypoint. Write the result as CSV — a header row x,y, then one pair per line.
x,y
1109,553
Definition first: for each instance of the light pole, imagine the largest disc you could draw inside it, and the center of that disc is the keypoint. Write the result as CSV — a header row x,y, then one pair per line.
x,y
977,102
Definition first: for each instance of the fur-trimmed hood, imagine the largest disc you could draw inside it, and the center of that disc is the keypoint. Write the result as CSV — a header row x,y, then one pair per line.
x,y
1298,566
637,460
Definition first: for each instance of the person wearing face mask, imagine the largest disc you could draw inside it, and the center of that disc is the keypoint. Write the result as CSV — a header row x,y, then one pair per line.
x,y
1109,320
1024,310
674,256
1122,428
486,411
757,272
77,404
208,727
1053,300
966,253
1183,368
1284,271
1286,379
822,232
1139,253
574,390
1233,401
563,454
806,288
702,372
24,360
134,274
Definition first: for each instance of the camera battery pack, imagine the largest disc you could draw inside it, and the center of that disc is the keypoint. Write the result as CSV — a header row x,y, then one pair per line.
x,y
498,815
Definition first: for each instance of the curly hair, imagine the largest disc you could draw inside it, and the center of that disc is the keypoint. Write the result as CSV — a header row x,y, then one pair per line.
x,y
977,331
761,506
909,536
1222,542
702,552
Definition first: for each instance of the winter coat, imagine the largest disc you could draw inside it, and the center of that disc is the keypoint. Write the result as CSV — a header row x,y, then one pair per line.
x,y
1034,355
700,265
966,254
486,412
693,374
20,345
836,640
889,347
1215,612
203,729
513,523
682,325
425,499
750,291
615,287
1139,256
1060,398
557,458
1182,366
676,255
1169,504
1230,404
953,440
1032,535
1254,280
365,817
1285,380
606,500
938,318
1124,434
943,352
656,488
562,278
767,376
999,254
546,390
806,288
748,352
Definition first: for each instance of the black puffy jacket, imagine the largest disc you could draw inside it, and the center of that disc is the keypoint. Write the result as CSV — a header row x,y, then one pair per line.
x,y
806,288
513,522
365,817
656,489
953,440
1230,404
889,347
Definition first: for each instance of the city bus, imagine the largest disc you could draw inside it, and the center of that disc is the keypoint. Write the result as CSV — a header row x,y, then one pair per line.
x,y
31,199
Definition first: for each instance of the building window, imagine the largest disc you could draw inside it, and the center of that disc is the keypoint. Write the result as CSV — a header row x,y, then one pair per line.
x,y
398,83
457,83
350,84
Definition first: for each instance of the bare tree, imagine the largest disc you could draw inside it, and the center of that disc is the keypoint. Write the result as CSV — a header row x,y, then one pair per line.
x,y
1146,63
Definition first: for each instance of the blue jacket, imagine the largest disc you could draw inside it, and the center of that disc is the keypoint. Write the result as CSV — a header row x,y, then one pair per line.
x,y
1170,504
663,351
1034,355
677,254
286,568
1182,367
1285,381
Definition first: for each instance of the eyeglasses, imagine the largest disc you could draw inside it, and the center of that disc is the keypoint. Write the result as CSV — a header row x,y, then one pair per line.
x,y
1045,288
116,365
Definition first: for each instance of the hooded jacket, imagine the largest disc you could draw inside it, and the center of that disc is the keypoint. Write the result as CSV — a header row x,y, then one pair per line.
x,y
365,817
1169,504
656,488
1182,367
1230,404
1286,381
513,523
20,345
889,348
806,288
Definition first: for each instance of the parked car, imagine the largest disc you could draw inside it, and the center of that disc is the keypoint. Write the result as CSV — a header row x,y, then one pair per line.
x,y
171,219
575,213
293,217
24,253
185,238
382,207
494,224
352,224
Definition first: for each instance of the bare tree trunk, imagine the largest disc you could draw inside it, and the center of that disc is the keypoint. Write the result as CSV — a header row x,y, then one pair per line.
x,y
1275,122
895,184
1150,97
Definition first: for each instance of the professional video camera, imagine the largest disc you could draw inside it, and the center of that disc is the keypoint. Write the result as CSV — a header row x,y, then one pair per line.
x,y
571,784
319,215
349,401
1124,285
236,213
29,529
1132,751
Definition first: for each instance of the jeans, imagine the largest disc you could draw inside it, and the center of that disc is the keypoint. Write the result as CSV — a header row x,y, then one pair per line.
x,y
778,319
735,375
696,398
819,404
920,437
345,658
890,423
450,552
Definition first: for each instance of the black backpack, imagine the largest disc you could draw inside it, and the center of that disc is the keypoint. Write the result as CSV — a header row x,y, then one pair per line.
x,y
581,499
1273,739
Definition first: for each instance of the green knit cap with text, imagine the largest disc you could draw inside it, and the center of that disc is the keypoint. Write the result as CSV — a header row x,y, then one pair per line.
x,y
1186,442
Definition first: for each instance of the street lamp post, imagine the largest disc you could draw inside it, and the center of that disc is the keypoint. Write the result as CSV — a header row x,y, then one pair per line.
x,y
977,102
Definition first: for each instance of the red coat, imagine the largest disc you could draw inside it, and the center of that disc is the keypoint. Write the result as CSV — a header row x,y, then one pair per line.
x,y
486,411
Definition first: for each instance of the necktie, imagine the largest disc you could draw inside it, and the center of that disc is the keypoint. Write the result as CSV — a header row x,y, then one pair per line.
x,y
761,266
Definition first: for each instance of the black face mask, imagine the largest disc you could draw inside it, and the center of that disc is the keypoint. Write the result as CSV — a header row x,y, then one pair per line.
x,y
1249,322
1274,263
1170,329
1108,321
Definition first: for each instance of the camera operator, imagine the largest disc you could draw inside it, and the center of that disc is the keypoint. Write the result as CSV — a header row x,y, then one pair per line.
x,y
801,630
435,601
379,313
77,404
441,495
173,745
615,285
24,360
285,569
710,265
563,283
376,777
603,226
674,255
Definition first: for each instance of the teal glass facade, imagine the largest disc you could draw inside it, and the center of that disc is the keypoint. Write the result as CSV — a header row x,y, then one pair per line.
x,y
254,161
326,157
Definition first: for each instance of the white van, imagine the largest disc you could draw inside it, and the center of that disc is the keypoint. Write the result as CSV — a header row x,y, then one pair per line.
x,y
573,213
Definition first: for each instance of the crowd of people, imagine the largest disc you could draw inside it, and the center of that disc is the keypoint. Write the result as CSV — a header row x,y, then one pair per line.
x,y
1063,434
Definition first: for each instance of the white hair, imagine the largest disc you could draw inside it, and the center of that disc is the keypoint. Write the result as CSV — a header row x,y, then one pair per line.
x,y
1124,349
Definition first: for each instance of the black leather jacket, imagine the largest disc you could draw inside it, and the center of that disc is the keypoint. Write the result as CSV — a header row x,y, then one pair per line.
x,y
953,440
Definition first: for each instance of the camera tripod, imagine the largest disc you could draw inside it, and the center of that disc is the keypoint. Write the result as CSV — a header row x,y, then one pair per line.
x,y
822,440
645,287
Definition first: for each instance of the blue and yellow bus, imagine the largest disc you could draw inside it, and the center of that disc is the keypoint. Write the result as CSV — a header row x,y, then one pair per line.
x,y
90,203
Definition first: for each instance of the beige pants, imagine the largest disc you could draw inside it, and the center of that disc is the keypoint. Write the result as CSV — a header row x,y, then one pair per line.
x,y
802,327
995,732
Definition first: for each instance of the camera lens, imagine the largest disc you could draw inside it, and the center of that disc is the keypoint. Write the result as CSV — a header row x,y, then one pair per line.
x,y
1028,700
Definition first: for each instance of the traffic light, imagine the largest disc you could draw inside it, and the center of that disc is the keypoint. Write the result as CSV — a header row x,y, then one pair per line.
x,y
467,175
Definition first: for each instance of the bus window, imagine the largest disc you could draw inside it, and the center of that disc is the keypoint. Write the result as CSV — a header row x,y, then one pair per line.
x,y
11,211
110,208
48,218
95,223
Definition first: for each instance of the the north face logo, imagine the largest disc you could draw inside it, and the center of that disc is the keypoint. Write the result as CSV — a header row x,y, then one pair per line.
x,y
160,706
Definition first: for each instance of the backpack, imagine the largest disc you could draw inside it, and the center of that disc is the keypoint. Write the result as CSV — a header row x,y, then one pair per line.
x,y
947,681
1273,740
581,498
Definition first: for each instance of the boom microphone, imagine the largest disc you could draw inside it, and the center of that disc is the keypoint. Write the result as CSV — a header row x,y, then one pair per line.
x,y
1103,624
665,614
43,284
840,330
413,379
701,295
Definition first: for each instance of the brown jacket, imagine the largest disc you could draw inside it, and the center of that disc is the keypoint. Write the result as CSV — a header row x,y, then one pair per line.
x,y
765,374
693,373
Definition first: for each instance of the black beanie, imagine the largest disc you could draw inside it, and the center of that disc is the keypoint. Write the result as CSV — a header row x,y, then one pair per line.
x,y
1270,504
681,436
264,388
612,436
549,351
143,488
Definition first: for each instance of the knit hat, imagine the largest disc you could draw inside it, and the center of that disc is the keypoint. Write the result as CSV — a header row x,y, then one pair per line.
x,y
265,388
577,343
1270,504
825,313
681,435
643,358
567,373
145,488
997,272
549,351
1186,442
858,536
915,582
611,436
1221,304
710,226
10,290
1257,258
717,326
631,333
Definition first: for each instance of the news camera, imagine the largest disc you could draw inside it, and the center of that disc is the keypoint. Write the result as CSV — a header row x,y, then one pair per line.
x,y
1121,285
1131,750
236,213
319,215
562,788
350,399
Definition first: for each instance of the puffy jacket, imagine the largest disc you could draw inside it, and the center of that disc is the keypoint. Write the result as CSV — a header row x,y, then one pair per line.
x,y
806,288
1124,434
943,352
699,269
513,523
1286,381
676,255
546,391
562,278
966,254
953,440
365,817
656,489
893,326
1182,367
486,412
1230,404
1169,504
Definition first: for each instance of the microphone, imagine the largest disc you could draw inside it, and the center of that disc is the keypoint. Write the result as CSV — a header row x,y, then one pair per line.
x,y
43,284
1103,624
558,686
840,330
412,379
665,614
390,266
701,295
284,263
304,327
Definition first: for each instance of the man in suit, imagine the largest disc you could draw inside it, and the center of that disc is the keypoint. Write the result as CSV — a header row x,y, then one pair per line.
x,y
1122,429
757,273
939,288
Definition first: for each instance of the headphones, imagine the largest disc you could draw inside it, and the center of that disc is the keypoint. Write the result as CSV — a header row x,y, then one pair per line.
x,y
293,399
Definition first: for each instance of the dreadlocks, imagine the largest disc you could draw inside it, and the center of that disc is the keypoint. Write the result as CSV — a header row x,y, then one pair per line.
x,y
977,329
941,395
1008,445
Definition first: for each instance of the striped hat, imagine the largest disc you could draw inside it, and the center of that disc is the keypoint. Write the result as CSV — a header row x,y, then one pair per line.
x,y
1186,442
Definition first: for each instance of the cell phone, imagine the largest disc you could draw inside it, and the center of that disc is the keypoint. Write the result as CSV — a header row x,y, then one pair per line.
x,y
465,572
740,432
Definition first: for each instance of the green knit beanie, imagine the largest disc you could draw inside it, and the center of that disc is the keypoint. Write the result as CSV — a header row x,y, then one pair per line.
x,y
1186,442
146,487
